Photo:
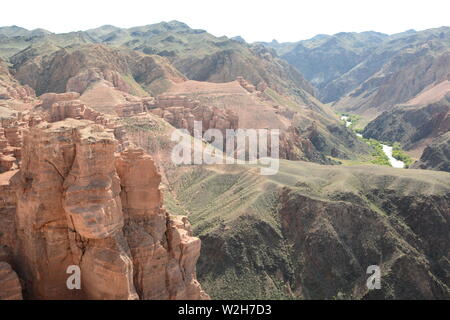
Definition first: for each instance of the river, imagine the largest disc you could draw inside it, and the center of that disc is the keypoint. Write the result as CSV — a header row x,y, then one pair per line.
x,y
348,123
386,149
394,162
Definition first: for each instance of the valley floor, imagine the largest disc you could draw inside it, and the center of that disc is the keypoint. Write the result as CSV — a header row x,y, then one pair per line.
x,y
391,153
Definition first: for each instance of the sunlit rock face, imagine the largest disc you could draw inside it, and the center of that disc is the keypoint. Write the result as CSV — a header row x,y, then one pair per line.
x,y
77,202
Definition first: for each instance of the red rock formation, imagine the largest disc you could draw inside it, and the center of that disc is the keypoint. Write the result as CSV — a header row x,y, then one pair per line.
x,y
153,236
181,112
13,95
83,80
69,105
48,99
10,143
261,87
77,203
7,213
246,85
6,162
129,109
10,288
59,106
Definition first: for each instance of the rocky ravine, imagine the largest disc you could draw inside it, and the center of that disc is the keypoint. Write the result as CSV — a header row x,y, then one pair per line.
x,y
367,73
74,201
436,156
423,130
311,231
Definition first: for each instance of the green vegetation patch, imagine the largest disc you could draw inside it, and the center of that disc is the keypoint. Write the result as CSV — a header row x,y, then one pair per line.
x,y
399,154
379,157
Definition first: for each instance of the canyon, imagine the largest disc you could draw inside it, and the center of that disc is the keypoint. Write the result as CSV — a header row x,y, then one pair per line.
x,y
398,84
87,180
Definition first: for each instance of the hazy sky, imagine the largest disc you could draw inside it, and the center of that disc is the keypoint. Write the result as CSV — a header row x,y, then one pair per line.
x,y
260,20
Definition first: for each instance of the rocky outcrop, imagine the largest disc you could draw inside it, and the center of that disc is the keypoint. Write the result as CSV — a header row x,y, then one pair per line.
x,y
87,64
48,99
130,108
153,236
7,216
79,204
16,91
84,79
296,145
258,89
413,126
13,95
100,98
246,85
182,111
10,288
6,161
59,106
344,234
436,155
10,143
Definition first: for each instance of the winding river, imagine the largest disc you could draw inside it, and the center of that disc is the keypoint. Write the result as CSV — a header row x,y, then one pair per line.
x,y
386,149
394,162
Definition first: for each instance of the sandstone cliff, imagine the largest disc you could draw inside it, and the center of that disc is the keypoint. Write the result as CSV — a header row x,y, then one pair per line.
x,y
13,95
78,203
10,288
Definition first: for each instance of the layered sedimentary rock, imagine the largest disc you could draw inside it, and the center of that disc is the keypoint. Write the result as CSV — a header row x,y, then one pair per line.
x,y
6,161
84,79
154,237
436,156
269,110
59,106
297,146
79,204
182,111
7,216
13,95
129,108
246,85
10,143
88,64
10,288
48,99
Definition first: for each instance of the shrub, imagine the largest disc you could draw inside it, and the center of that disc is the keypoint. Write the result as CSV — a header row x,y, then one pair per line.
x,y
399,154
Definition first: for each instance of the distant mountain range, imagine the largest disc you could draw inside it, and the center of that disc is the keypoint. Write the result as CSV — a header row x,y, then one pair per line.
x,y
150,59
365,73
402,78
